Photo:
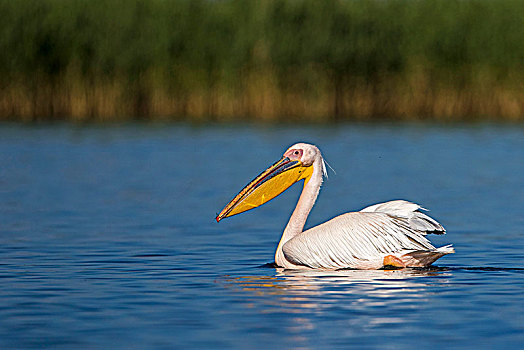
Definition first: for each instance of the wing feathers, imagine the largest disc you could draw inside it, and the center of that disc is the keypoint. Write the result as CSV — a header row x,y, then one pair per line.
x,y
361,239
409,211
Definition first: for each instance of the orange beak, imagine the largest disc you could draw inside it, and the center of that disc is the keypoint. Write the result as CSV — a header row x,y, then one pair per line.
x,y
266,186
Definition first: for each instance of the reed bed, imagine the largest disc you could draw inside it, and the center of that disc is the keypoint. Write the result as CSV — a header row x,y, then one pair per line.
x,y
272,60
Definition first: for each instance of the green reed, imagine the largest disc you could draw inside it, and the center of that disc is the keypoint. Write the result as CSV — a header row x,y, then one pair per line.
x,y
268,60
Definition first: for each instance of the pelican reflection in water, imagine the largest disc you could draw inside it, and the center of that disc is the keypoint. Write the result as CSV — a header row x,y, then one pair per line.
x,y
318,289
385,234
293,283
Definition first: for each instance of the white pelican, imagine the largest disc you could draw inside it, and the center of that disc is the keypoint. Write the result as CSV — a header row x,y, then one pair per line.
x,y
384,234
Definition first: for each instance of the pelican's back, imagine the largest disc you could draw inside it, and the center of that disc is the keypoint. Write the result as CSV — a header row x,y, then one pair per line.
x,y
362,239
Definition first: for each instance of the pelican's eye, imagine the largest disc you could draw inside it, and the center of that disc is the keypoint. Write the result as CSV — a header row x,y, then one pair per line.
x,y
294,154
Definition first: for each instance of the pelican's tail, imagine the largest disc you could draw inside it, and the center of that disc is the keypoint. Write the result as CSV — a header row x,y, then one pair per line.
x,y
447,249
423,258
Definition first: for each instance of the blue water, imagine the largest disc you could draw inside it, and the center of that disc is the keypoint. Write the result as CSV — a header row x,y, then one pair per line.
x,y
108,238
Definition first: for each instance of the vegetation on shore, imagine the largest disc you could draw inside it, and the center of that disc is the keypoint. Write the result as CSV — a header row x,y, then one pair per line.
x,y
261,60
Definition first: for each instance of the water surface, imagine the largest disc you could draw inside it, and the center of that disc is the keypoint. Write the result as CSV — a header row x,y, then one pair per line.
x,y
108,238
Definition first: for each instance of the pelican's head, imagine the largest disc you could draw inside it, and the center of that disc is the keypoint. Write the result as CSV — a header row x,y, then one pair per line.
x,y
296,164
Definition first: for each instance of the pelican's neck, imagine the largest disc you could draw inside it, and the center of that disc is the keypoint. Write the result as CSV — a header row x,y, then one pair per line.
x,y
305,203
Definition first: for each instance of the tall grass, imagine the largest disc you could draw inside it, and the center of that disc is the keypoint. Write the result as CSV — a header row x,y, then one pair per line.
x,y
270,60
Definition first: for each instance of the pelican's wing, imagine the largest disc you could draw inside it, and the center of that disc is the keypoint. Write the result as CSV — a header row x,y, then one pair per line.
x,y
352,239
409,212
